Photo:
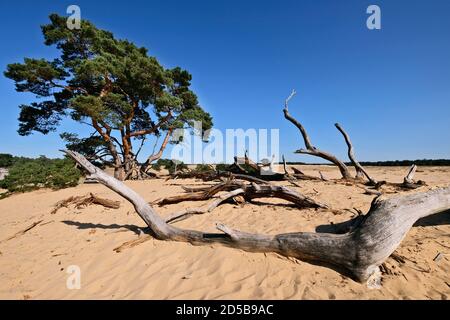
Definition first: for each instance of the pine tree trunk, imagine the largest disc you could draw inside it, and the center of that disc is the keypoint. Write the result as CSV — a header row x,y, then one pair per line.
x,y
119,173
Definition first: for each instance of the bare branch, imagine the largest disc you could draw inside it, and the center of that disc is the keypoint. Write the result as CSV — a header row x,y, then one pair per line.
x,y
358,253
351,155
410,175
310,149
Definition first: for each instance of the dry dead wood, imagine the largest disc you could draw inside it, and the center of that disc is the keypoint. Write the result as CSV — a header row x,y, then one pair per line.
x,y
201,195
360,171
244,177
408,180
249,192
310,149
133,243
22,232
358,253
184,214
83,201
298,174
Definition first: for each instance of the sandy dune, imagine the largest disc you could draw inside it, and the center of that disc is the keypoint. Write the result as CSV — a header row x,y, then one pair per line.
x,y
34,265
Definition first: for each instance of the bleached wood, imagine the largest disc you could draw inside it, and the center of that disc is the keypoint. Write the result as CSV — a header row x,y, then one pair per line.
x,y
359,252
360,171
310,149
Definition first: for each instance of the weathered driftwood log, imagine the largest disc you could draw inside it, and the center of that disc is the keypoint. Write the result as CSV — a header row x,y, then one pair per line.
x,y
360,171
409,182
248,167
358,253
184,214
244,177
249,192
83,201
200,195
310,149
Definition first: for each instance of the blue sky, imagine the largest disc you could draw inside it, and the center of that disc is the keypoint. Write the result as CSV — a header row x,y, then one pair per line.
x,y
389,88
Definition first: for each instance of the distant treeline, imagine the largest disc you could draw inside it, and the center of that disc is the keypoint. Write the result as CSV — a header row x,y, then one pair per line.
x,y
392,163
8,160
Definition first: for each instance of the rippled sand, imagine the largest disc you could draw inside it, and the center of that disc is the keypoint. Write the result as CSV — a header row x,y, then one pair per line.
x,y
34,265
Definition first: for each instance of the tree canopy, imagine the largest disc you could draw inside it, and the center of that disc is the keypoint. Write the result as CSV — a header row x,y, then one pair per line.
x,y
112,85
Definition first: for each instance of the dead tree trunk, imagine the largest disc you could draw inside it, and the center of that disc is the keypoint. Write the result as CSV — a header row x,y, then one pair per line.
x,y
409,182
310,149
359,252
360,171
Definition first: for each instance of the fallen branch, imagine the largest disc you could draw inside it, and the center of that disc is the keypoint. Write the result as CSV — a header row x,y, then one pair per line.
x,y
83,201
184,214
310,149
249,192
201,195
358,253
409,182
132,243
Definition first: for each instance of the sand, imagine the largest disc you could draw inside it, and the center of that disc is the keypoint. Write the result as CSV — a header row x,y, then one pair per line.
x,y
34,265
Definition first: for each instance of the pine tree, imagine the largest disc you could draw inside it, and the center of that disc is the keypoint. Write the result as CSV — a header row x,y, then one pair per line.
x,y
109,84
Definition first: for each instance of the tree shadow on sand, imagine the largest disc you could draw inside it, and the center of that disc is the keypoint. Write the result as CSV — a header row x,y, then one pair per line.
x,y
114,226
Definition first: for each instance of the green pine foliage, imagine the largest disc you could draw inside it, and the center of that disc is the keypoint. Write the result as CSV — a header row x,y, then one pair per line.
x,y
204,168
6,160
110,84
222,167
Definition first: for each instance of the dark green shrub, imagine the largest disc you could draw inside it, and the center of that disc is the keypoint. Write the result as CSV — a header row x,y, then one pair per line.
x,y
222,167
204,168
31,174
169,165
6,160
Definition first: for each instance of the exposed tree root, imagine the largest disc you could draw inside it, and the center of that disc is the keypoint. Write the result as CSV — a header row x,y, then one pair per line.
x,y
83,201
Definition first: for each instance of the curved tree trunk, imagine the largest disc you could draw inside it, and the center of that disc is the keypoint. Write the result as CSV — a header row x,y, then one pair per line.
x,y
158,155
310,149
360,171
359,252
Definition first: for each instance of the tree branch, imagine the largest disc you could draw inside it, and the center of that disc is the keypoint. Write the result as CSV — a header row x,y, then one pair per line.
x,y
358,253
351,155
310,149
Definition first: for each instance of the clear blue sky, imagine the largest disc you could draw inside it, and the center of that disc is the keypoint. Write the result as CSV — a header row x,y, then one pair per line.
x,y
389,88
